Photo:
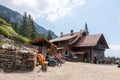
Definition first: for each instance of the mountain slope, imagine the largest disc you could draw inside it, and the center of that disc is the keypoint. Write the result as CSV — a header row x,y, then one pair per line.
x,y
13,16
7,33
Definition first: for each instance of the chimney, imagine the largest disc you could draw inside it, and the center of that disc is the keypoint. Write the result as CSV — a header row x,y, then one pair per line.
x,y
81,33
84,33
61,34
72,32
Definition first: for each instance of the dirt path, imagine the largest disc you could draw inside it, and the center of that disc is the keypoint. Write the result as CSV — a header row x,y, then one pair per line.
x,y
68,71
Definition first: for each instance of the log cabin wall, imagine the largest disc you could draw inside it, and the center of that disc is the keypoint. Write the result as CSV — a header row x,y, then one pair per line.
x,y
66,49
86,55
90,53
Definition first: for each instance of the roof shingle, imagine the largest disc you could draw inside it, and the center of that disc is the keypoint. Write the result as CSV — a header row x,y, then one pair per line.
x,y
79,41
90,40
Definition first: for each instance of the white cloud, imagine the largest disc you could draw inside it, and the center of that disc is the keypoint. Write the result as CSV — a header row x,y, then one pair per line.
x,y
31,3
52,17
78,2
50,9
113,51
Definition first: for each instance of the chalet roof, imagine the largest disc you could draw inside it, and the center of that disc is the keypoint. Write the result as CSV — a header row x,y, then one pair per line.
x,y
91,40
75,33
82,41
39,41
64,38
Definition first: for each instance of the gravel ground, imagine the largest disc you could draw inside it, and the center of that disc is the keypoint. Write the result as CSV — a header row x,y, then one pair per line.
x,y
68,71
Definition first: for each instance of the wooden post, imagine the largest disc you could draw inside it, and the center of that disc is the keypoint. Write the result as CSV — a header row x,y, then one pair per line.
x,y
92,54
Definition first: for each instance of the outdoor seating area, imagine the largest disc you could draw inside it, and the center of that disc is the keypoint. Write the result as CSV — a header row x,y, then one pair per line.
x,y
59,40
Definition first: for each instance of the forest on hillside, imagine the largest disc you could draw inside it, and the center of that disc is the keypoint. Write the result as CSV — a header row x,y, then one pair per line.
x,y
27,27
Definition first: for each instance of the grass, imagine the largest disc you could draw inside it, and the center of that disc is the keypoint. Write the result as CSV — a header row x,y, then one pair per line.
x,y
23,38
2,21
8,31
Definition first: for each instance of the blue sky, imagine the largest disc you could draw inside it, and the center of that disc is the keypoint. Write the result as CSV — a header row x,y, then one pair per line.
x,y
102,16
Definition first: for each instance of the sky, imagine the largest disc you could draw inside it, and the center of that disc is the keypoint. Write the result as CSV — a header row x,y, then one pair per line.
x,y
102,16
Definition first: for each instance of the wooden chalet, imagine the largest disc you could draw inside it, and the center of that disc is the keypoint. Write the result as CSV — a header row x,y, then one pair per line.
x,y
86,47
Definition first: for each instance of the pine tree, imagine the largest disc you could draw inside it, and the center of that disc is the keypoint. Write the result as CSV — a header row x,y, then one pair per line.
x,y
28,27
24,25
86,29
49,36
31,28
15,26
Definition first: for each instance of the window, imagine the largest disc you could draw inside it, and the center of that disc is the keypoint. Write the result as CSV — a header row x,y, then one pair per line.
x,y
66,53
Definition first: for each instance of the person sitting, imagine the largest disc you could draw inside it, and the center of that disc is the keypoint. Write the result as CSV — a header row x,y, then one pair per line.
x,y
48,58
95,60
58,59
41,60
119,65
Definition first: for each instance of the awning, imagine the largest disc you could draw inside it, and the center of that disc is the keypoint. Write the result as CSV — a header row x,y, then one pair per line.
x,y
39,41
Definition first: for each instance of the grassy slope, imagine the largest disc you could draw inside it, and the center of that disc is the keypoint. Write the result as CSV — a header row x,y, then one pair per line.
x,y
8,31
